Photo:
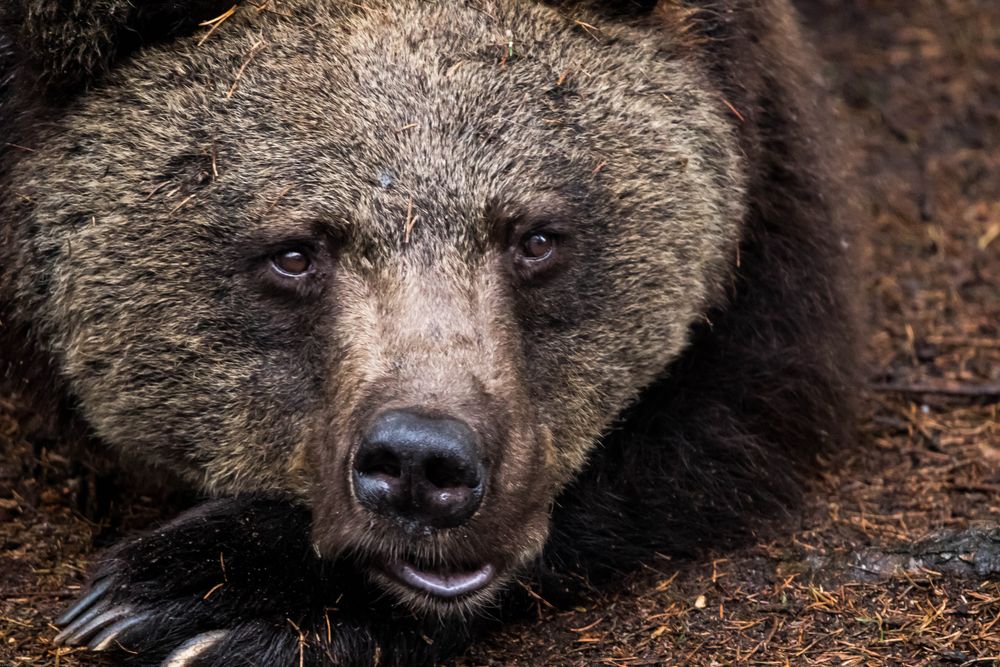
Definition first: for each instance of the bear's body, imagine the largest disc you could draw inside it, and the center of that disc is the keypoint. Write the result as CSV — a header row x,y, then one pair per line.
x,y
429,294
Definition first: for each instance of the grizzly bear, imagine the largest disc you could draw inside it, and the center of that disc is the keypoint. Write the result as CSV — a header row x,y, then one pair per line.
x,y
429,298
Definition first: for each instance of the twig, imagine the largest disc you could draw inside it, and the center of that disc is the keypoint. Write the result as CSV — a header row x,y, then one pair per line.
x,y
959,341
212,591
277,200
8,619
591,30
215,162
266,7
411,220
215,23
156,189
254,50
302,642
989,390
181,205
734,110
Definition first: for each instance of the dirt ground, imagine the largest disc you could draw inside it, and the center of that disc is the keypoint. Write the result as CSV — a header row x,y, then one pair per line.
x,y
920,80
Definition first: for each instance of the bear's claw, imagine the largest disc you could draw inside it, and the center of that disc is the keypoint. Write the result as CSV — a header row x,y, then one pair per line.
x,y
93,621
113,632
97,591
192,649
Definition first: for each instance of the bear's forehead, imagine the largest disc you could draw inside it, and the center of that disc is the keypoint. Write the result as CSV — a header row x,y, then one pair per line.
x,y
374,115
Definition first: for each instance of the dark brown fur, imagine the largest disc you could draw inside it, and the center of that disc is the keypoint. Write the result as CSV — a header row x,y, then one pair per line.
x,y
744,438
673,382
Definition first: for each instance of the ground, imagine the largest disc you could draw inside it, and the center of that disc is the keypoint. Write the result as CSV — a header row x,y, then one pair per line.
x,y
848,582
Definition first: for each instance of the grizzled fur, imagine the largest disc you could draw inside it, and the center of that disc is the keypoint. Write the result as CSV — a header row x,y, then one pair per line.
x,y
670,379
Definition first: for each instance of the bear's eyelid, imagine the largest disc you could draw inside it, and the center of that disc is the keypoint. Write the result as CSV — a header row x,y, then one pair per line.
x,y
513,222
519,230
529,207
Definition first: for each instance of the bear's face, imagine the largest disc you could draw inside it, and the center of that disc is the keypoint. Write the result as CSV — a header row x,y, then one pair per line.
x,y
249,249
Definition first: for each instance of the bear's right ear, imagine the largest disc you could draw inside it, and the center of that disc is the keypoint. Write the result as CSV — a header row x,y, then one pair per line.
x,y
67,43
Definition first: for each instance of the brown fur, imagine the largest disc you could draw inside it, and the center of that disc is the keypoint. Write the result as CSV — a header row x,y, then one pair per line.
x,y
686,362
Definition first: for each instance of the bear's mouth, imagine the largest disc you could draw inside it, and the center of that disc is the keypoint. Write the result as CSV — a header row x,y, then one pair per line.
x,y
439,582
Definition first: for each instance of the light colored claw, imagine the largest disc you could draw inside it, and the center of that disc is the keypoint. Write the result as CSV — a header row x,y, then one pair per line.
x,y
192,649
80,621
90,623
96,592
113,632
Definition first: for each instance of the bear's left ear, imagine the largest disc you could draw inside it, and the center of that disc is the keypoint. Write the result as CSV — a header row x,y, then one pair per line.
x,y
67,43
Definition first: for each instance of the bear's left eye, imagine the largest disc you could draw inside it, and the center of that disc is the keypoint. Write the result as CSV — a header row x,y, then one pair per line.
x,y
538,246
291,263
540,239
539,254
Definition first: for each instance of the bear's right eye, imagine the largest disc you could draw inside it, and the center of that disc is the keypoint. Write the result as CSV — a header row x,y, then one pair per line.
x,y
292,263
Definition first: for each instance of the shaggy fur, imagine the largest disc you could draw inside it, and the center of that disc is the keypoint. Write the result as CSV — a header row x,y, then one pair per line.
x,y
665,383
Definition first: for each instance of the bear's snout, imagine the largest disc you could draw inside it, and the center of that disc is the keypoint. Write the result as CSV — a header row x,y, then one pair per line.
x,y
423,471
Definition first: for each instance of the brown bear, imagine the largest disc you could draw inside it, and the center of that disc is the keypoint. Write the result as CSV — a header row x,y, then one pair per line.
x,y
423,295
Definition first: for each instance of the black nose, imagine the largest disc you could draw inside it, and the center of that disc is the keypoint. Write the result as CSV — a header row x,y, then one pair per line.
x,y
420,469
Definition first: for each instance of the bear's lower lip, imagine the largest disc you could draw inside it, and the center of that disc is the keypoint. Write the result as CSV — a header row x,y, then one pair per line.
x,y
442,584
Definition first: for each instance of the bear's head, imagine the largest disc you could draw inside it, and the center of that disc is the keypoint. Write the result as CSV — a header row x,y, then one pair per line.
x,y
405,261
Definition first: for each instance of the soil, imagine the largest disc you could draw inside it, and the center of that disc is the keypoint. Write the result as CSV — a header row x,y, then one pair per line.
x,y
848,582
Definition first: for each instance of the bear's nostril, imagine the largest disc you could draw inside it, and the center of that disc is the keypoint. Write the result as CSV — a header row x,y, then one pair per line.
x,y
381,461
448,474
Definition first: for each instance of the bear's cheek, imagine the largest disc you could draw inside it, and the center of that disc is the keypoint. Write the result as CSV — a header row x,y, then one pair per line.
x,y
634,314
